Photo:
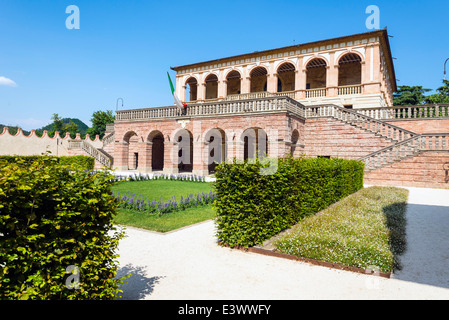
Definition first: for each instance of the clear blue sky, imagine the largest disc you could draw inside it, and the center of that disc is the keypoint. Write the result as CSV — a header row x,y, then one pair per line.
x,y
125,47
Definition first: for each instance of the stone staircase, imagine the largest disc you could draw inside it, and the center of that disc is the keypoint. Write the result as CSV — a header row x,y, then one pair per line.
x,y
405,144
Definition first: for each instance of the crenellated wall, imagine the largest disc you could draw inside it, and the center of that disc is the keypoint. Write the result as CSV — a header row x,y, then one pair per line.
x,y
22,145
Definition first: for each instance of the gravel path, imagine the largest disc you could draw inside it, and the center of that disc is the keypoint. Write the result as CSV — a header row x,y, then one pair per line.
x,y
188,264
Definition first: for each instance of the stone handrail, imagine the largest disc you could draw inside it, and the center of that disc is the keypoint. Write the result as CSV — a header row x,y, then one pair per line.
x,y
408,112
207,109
364,122
316,93
99,155
406,148
251,95
290,94
346,90
108,139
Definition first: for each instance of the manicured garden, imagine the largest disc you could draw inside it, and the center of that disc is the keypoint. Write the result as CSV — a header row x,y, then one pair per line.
x,y
334,218
364,230
163,204
58,220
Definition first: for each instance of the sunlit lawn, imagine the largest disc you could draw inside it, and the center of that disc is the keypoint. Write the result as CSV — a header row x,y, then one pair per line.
x,y
163,190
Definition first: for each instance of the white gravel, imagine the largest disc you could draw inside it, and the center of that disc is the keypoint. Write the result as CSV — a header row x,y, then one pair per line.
x,y
188,264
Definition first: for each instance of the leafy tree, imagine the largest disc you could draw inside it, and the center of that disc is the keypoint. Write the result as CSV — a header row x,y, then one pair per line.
x,y
59,125
99,121
442,95
410,95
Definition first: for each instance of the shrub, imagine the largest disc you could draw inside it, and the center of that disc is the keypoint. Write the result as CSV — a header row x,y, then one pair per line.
x,y
84,162
54,217
251,207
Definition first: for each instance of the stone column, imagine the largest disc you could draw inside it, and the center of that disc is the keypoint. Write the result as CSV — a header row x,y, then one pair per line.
x,y
272,83
222,87
121,150
272,79
200,158
300,83
332,77
145,157
170,157
201,92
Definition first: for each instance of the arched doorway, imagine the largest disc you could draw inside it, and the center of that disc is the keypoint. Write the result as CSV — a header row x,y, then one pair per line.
x,y
349,70
286,77
258,79
184,143
191,89
131,152
216,141
211,87
157,150
233,83
316,74
255,142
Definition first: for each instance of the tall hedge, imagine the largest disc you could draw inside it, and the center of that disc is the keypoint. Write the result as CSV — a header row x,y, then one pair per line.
x,y
57,239
252,207
85,162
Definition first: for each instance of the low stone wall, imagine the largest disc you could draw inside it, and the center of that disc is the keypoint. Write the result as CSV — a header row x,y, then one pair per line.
x,y
22,145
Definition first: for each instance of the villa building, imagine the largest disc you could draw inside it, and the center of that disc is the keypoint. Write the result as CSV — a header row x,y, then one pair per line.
x,y
329,98
355,71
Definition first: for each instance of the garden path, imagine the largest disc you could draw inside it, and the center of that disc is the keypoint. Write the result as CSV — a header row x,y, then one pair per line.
x,y
188,264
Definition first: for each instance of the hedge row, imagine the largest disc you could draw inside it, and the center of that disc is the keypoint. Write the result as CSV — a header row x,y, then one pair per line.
x,y
85,162
251,207
57,238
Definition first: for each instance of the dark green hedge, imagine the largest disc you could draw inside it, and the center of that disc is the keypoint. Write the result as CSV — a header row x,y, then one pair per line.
x,y
85,162
251,207
57,238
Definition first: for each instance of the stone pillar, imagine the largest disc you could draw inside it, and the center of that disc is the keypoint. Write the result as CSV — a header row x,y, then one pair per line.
x,y
121,150
170,157
145,157
200,158
183,94
245,82
272,83
239,149
332,77
245,85
272,79
222,87
300,83
201,92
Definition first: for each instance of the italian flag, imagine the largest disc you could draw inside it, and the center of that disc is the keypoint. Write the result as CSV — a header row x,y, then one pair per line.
x,y
178,102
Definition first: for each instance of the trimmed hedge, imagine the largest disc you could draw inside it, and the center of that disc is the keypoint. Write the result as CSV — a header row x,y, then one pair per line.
x,y
57,238
84,162
251,208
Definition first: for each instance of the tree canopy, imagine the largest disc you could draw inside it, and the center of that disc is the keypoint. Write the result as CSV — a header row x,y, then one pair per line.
x,y
99,121
409,95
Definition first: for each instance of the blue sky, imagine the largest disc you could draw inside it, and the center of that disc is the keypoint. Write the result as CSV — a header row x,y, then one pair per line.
x,y
124,48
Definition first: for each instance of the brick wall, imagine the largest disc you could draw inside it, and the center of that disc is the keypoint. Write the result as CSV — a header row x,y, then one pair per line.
x,y
423,126
278,126
426,170
330,137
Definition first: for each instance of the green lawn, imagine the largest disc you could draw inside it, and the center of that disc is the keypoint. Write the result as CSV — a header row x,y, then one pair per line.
x,y
157,189
167,222
363,230
163,189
